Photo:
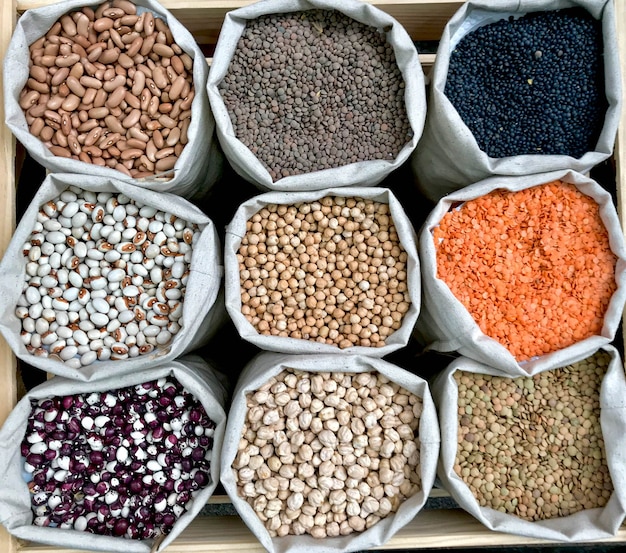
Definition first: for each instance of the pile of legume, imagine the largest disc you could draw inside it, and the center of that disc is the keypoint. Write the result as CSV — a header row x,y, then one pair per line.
x,y
332,271
111,87
533,446
105,278
120,463
534,268
531,85
314,90
328,454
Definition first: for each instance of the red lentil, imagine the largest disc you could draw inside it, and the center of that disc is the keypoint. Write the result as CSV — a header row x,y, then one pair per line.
x,y
534,268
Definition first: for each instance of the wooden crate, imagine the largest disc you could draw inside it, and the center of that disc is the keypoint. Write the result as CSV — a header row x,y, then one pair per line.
x,y
432,528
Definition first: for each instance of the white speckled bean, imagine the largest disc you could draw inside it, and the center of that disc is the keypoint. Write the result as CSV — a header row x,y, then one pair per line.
x,y
32,295
80,337
130,291
99,319
68,352
56,237
71,294
101,305
80,249
75,279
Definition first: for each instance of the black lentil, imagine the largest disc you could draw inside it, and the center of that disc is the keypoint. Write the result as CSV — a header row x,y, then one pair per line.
x,y
531,85
313,90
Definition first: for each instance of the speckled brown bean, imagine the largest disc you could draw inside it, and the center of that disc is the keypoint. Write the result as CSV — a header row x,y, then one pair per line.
x,y
89,58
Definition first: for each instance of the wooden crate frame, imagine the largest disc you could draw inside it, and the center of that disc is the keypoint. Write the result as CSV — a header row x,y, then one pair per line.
x,y
437,528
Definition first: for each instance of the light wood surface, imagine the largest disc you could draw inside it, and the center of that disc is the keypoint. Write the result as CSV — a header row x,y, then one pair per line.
x,y
620,146
430,529
8,380
423,19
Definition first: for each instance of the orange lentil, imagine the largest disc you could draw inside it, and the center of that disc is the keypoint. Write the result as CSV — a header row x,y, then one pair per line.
x,y
534,268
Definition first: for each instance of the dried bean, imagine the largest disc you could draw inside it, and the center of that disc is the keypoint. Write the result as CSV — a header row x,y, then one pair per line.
x,y
306,477
97,227
331,271
87,58
96,471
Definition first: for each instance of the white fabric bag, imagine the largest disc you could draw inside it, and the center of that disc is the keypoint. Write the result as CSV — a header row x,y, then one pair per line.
x,y
583,526
203,312
266,365
363,173
200,163
448,157
237,229
446,325
16,513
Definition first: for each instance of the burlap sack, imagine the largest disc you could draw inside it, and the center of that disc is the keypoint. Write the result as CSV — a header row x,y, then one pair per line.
x,y
203,312
448,157
583,526
16,515
364,173
446,325
237,229
258,372
200,163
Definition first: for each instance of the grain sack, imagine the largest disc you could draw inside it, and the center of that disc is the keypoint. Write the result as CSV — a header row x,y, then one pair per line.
x,y
293,381
85,275
23,499
189,173
286,151
523,273
308,244
537,456
524,125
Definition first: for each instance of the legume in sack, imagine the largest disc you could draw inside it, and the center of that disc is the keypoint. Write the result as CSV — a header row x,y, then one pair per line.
x,y
522,273
122,464
307,92
520,87
328,456
536,456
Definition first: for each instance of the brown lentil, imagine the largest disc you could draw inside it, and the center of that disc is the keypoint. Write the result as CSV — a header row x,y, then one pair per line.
x,y
329,478
90,72
313,90
332,271
533,446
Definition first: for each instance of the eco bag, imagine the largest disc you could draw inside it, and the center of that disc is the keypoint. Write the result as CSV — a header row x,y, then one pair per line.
x,y
448,156
362,173
257,374
236,231
446,325
202,310
199,164
531,447
16,512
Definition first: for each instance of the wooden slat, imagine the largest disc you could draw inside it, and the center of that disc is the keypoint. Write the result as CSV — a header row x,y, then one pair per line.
x,y
424,20
8,367
620,146
7,220
430,529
